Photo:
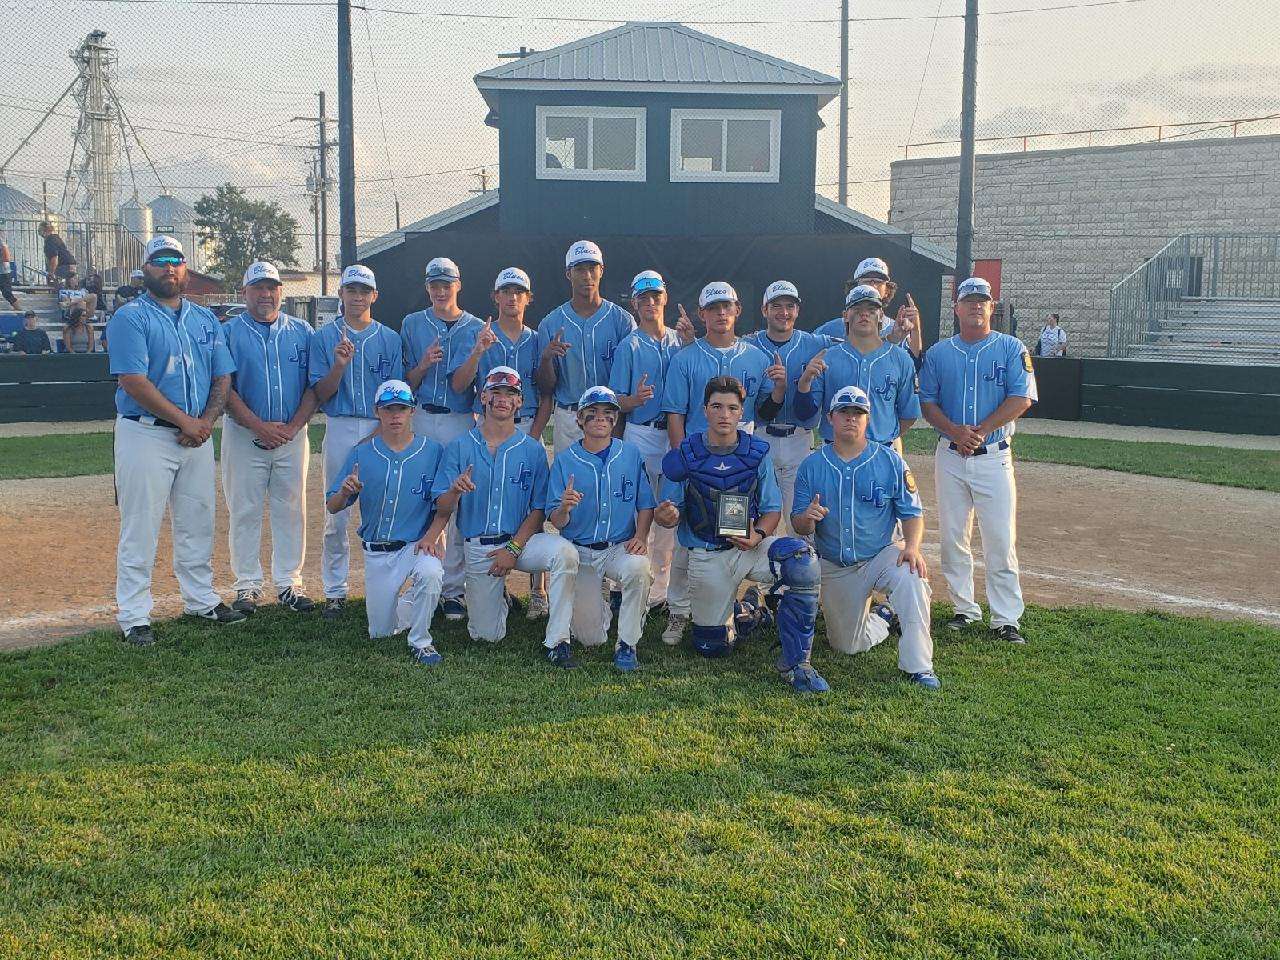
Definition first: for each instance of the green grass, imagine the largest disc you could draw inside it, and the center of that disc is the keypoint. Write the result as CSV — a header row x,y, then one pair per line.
x,y
289,789
1251,469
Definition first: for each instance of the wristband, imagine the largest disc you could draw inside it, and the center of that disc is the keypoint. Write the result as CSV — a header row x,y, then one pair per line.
x,y
514,548
763,535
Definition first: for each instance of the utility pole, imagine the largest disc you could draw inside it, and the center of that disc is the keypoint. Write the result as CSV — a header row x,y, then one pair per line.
x,y
844,102
319,184
346,140
483,177
968,108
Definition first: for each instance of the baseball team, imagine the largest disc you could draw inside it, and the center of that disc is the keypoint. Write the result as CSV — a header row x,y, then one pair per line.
x,y
682,465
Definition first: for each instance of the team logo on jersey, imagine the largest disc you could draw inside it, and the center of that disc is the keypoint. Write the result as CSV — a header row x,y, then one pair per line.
x,y
1026,361
609,350
206,335
624,493
876,497
423,489
909,479
749,385
381,368
299,355
524,479
996,375
887,388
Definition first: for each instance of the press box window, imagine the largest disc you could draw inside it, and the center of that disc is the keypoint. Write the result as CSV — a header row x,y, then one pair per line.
x,y
591,143
725,146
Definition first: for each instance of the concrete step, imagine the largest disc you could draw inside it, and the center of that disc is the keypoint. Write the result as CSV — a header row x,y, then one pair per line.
x,y
1197,354
1261,337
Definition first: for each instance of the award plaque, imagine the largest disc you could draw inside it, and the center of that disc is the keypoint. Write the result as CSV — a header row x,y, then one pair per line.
x,y
734,519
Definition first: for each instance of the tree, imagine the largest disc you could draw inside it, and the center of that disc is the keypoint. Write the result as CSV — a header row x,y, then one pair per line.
x,y
244,230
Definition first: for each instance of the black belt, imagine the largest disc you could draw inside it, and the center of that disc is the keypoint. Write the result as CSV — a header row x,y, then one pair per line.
x,y
155,421
571,407
522,419
658,423
435,408
717,549
985,448
491,541
780,431
599,544
385,546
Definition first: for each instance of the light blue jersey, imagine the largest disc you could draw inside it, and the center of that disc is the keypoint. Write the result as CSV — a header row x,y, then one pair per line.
x,y
510,484
396,502
640,355
593,342
272,364
835,328
613,484
693,366
378,357
418,332
796,354
970,380
521,356
887,375
770,501
866,497
179,351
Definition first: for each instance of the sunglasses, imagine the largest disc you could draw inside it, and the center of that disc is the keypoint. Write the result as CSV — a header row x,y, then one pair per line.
x,y
502,380
169,260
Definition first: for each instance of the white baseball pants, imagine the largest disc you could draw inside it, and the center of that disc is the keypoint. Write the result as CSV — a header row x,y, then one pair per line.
x,y
443,428
565,431
983,485
590,621
154,471
714,578
486,603
653,445
787,454
340,435
251,478
846,601
390,608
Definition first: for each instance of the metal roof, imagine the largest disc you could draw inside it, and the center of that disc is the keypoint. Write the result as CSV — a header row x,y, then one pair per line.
x,y
15,203
436,221
657,53
879,228
168,209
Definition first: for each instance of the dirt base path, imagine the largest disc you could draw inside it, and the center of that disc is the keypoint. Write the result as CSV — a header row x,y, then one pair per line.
x,y
1085,537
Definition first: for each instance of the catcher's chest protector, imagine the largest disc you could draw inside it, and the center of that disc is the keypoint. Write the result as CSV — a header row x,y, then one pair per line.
x,y
708,475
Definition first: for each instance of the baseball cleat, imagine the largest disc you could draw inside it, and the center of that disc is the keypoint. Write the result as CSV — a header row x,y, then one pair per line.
x,y
925,678
333,607
140,636
562,656
453,608
624,658
959,622
674,633
247,601
427,656
805,679
221,614
539,607
291,599
1009,632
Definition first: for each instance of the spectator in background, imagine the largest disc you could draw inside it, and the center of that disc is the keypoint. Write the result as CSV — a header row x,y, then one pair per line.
x,y
31,339
74,295
1053,339
57,257
127,291
7,269
93,283
77,335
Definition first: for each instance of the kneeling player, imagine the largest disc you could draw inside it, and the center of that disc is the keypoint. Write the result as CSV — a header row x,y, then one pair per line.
x,y
495,477
850,494
600,500
391,475
720,488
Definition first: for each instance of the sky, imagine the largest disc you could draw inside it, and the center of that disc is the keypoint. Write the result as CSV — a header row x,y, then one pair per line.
x,y
213,86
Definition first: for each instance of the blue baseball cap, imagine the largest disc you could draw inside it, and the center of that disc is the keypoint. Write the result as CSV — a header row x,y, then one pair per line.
x,y
974,287
645,281
442,268
597,395
863,294
850,396
394,393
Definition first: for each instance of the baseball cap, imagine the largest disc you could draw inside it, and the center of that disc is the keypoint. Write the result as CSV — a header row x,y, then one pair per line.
x,y
261,270
162,244
359,273
974,287
442,268
647,280
781,288
137,275
850,396
872,267
512,277
863,294
595,395
394,393
502,377
716,291
584,251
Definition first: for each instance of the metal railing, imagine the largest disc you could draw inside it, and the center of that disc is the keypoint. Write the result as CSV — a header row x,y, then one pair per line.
x,y
108,248
1216,292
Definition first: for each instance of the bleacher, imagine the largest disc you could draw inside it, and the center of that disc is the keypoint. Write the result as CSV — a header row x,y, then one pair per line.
x,y
1215,330
45,303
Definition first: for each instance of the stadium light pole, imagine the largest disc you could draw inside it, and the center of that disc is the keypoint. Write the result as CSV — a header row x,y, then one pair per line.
x,y
346,140
844,102
968,107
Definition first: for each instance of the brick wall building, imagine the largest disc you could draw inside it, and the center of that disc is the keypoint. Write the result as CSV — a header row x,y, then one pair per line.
x,y
1067,225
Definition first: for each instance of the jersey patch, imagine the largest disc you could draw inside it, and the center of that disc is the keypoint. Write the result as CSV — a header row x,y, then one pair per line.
x,y
909,479
1026,361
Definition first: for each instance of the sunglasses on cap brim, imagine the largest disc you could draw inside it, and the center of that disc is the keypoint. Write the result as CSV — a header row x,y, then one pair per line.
x,y
503,381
